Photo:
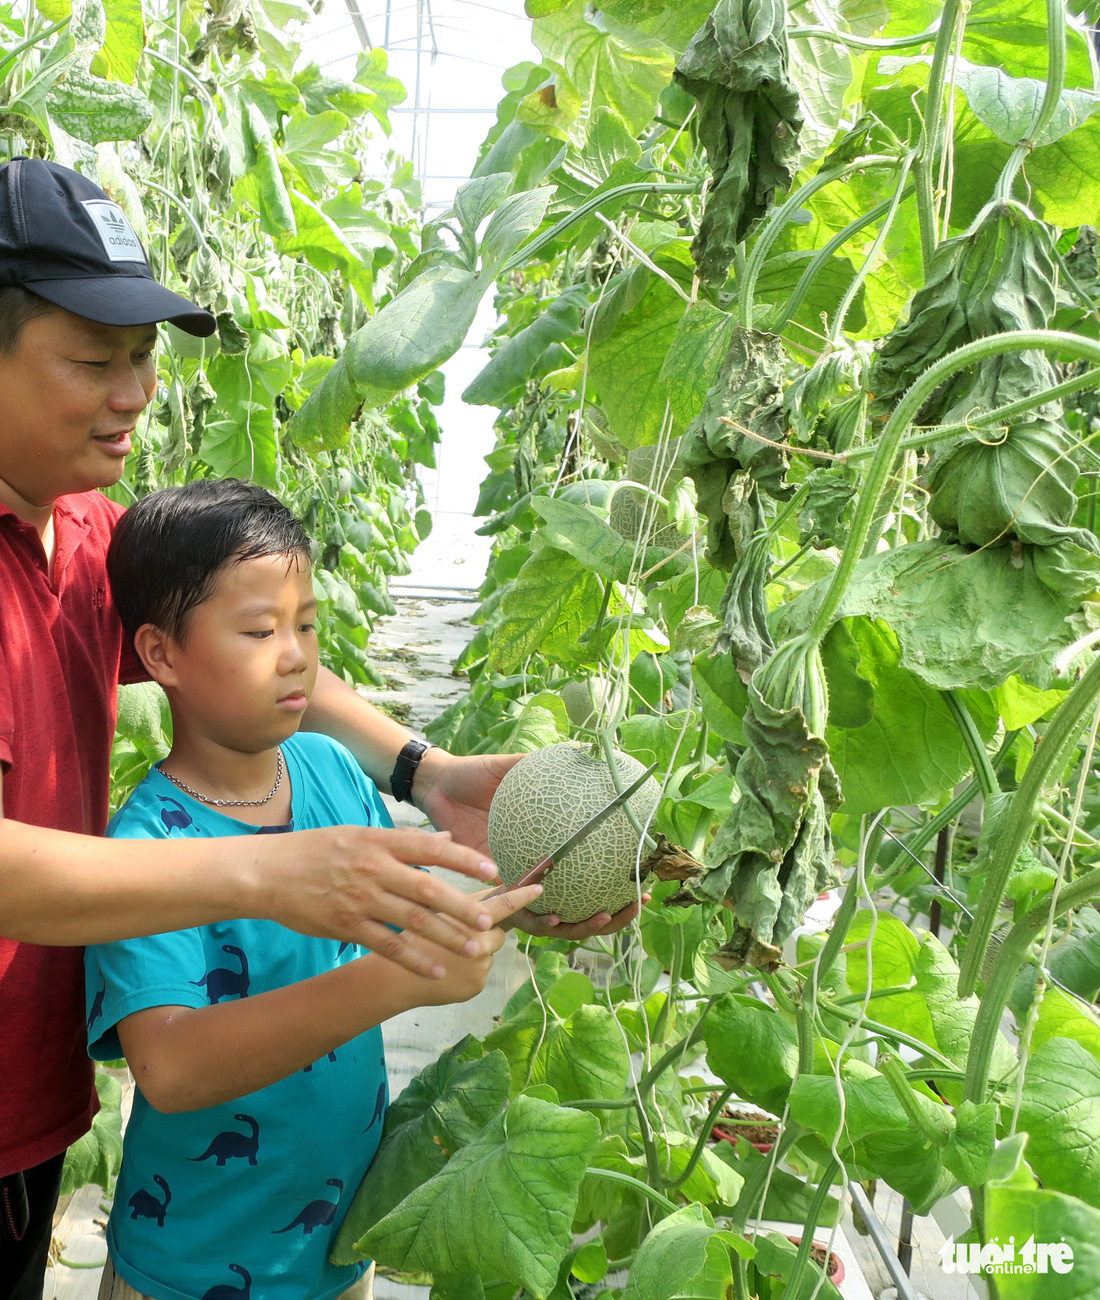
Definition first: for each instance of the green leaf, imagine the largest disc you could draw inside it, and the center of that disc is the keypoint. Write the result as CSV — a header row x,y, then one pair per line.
x,y
1017,1210
141,713
1007,105
503,1206
590,1262
933,1011
751,1047
626,368
318,237
440,1111
606,69
580,532
124,42
685,1255
517,359
694,357
722,695
516,218
909,751
95,110
248,449
409,338
551,591
963,617
97,1156
263,186
775,1256
1059,1112
580,1056
970,1148
372,71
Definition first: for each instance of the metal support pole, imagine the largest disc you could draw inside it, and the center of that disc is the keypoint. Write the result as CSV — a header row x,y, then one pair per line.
x,y
877,1232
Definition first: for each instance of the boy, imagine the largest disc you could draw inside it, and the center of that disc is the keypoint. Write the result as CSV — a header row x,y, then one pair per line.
x,y
257,1052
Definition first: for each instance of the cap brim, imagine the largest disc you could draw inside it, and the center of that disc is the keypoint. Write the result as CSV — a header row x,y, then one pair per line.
x,y
125,300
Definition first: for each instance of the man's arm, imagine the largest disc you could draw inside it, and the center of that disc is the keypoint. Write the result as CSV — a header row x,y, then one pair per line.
x,y
188,1058
347,882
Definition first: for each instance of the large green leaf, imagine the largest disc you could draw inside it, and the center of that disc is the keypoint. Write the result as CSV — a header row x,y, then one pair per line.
x,y
626,368
94,110
964,618
685,1257
607,69
1059,1112
753,1048
123,43
910,750
1007,105
441,1110
888,955
409,338
97,1156
553,590
1017,1211
503,1206
694,357
518,358
581,1055
580,532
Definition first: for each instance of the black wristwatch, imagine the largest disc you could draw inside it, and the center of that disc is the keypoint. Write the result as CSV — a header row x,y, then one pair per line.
x,y
401,782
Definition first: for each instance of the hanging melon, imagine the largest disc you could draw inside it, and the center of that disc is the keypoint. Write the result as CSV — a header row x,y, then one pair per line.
x,y
545,798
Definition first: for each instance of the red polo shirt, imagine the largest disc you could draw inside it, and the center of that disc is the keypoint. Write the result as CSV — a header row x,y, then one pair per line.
x,y
60,652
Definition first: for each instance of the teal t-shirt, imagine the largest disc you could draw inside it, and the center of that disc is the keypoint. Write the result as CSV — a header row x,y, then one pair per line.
x,y
242,1199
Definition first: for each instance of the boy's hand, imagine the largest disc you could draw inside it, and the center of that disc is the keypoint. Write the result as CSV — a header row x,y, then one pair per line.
x,y
352,882
549,926
456,792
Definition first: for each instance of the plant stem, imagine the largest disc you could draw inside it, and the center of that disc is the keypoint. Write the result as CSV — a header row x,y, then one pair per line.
x,y
891,1068
862,538
945,432
979,756
886,1031
866,42
528,250
635,1184
812,1215
1019,818
930,136
822,256
700,1146
1012,956
774,224
1048,105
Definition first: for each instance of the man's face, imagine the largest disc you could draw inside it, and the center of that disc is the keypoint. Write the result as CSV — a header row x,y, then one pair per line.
x,y
70,398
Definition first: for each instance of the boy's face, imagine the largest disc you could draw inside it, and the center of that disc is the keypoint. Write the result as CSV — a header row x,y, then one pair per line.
x,y
70,398
246,668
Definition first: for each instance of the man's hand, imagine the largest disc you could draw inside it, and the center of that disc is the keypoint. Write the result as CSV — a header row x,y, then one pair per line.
x,y
456,792
353,882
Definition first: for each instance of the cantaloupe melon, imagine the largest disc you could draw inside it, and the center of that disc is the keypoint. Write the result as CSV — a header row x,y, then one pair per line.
x,y
630,508
545,798
583,700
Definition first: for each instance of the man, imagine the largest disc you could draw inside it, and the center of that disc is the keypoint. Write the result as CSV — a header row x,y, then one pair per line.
x,y
77,369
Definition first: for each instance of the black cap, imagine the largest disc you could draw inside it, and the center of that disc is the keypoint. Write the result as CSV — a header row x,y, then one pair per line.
x,y
62,238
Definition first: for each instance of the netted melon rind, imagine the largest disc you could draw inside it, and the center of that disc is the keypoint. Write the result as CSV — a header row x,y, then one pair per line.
x,y
546,797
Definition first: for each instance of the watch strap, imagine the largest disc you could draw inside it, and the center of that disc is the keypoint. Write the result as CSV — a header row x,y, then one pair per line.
x,y
408,760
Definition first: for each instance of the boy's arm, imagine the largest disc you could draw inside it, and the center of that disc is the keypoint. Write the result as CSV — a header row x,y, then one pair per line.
x,y
346,882
188,1058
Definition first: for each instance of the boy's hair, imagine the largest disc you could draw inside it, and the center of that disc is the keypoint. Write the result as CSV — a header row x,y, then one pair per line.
x,y
168,549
